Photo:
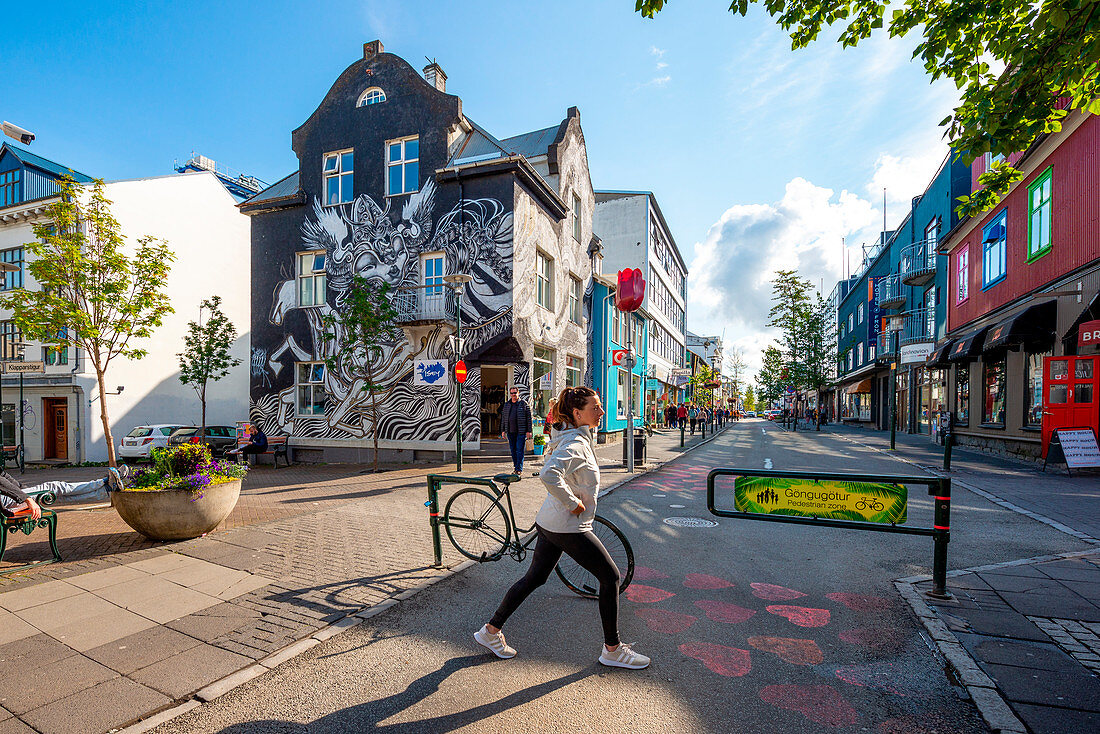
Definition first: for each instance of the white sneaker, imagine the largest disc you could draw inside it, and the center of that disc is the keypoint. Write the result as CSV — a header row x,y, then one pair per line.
x,y
623,657
495,643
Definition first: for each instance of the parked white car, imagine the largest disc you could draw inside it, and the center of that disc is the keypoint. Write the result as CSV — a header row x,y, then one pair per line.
x,y
140,442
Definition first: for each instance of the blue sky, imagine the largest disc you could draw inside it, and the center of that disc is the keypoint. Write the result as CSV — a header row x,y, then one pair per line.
x,y
761,157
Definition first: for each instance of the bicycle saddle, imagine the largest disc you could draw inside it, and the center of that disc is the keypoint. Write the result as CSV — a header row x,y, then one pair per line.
x,y
506,479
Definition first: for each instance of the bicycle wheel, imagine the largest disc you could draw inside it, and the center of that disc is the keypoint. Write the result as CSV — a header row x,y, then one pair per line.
x,y
477,524
618,547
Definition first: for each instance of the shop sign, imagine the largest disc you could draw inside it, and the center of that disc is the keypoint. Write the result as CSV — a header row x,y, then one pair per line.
x,y
828,499
652,384
432,372
919,352
546,382
1089,334
30,367
1079,447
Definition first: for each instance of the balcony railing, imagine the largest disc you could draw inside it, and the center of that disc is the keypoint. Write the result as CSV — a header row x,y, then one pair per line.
x,y
884,347
918,263
424,304
888,292
920,326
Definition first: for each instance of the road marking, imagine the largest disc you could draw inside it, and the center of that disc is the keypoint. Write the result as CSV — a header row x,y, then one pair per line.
x,y
679,507
767,463
764,431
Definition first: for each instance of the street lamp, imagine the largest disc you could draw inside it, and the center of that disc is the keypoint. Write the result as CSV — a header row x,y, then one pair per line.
x,y
458,282
894,326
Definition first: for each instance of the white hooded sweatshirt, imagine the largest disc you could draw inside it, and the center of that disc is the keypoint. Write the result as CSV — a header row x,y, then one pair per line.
x,y
570,474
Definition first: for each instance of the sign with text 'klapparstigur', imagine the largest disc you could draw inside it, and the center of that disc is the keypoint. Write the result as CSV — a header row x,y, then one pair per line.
x,y
824,498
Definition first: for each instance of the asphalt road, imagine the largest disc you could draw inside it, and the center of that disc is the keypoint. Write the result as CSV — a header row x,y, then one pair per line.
x,y
753,627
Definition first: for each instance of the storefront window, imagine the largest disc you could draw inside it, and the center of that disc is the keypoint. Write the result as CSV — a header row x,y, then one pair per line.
x,y
543,388
993,392
962,395
1033,389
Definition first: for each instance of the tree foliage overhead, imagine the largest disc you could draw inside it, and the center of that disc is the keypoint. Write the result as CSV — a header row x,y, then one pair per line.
x,y
1051,50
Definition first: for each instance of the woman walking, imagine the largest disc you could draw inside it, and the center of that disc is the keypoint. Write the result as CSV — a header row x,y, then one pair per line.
x,y
564,525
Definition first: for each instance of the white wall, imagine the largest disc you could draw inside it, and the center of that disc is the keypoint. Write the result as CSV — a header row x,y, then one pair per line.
x,y
622,223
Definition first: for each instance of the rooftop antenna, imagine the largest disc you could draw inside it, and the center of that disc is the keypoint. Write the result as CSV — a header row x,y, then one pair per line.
x,y
884,213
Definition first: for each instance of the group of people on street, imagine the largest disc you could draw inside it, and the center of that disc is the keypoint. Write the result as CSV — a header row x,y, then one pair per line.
x,y
685,415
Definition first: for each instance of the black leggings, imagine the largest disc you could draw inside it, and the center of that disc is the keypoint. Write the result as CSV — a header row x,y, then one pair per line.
x,y
587,550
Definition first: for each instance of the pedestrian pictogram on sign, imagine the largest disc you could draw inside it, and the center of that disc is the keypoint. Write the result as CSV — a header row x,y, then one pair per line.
x,y
460,372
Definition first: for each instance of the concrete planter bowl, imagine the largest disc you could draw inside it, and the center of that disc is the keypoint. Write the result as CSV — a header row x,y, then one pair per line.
x,y
177,514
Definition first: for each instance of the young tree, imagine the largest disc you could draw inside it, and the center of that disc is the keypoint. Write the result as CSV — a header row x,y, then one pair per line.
x,y
1050,49
769,380
789,313
205,357
367,319
95,292
822,351
703,396
735,367
750,398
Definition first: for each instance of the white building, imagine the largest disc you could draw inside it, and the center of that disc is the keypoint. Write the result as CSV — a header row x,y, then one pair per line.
x,y
199,220
636,235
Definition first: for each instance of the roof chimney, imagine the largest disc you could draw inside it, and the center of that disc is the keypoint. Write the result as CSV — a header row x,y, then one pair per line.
x,y
372,49
433,74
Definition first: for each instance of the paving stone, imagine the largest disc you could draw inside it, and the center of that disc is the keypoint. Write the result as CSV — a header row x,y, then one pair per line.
x,y
100,708
15,726
1047,605
1054,720
158,598
1020,653
51,682
106,577
249,538
1022,569
63,612
13,628
30,596
85,634
142,649
995,711
1078,690
1022,584
189,670
999,624
1071,570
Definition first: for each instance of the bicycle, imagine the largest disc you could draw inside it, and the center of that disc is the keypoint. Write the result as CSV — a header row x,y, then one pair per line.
x,y
480,527
872,503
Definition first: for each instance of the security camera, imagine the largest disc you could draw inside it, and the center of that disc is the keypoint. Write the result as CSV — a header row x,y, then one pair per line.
x,y
26,137
121,388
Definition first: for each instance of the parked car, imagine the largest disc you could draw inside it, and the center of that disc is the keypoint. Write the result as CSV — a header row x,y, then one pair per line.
x,y
219,438
772,414
750,413
140,442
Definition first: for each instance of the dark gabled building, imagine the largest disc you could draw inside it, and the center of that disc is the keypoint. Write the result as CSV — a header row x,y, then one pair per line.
x,y
396,184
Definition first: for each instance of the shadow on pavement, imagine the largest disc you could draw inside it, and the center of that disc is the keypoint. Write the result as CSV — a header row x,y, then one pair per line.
x,y
369,715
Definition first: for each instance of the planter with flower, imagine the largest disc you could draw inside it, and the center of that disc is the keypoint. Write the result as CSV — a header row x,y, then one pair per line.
x,y
539,444
183,494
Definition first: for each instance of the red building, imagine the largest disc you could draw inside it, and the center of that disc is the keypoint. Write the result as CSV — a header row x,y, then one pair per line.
x,y
1021,279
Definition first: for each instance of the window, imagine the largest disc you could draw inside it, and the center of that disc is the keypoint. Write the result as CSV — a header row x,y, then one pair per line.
x,y
542,373
10,336
871,352
636,386
1033,388
851,322
373,95
931,236
859,354
58,354
576,218
576,299
402,166
9,188
620,395
12,280
962,395
573,371
1039,211
993,392
850,355
962,275
311,278
311,389
544,280
859,313
616,319
338,169
431,269
994,247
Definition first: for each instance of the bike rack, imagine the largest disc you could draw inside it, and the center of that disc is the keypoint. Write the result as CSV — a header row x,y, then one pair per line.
x,y
435,483
938,487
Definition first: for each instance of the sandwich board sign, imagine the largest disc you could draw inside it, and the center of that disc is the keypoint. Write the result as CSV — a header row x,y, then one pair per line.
x,y
1077,448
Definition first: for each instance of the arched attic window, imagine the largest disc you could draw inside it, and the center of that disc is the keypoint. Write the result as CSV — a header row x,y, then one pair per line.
x,y
372,95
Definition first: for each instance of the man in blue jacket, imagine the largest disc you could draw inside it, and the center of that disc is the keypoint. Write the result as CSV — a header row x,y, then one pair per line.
x,y
515,423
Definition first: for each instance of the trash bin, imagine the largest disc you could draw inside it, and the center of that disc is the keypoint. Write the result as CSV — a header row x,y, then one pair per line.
x,y
640,439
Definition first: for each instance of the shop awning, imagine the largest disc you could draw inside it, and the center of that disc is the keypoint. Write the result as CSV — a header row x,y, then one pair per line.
x,y
861,386
967,346
1089,313
938,358
1033,325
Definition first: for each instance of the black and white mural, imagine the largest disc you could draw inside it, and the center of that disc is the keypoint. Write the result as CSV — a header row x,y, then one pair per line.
x,y
385,245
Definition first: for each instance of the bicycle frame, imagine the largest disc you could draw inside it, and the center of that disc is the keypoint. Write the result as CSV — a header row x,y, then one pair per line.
x,y
436,482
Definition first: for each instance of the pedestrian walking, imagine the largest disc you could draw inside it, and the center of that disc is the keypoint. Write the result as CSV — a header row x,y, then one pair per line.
x,y
693,417
682,415
670,416
564,525
516,425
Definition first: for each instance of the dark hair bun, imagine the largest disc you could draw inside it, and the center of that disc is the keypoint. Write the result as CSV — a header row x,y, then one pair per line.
x,y
569,400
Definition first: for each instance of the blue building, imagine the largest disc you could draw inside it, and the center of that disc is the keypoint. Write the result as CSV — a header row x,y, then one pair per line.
x,y
609,330
25,176
901,275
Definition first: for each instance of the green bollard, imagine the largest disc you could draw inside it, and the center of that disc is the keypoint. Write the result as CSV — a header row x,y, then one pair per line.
x,y
433,518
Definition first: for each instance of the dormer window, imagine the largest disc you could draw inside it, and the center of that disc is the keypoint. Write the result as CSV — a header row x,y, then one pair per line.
x,y
373,95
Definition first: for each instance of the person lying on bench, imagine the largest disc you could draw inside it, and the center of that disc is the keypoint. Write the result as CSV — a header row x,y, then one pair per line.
x,y
257,443
15,498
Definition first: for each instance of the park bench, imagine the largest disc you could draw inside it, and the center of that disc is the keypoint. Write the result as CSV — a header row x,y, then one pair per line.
x,y
276,447
22,522
13,453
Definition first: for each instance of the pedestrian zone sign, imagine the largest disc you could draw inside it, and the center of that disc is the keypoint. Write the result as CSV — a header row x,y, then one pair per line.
x,y
823,498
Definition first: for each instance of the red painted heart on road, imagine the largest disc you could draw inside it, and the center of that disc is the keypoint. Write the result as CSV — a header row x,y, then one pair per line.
x,y
643,594
798,652
662,620
727,661
821,704
771,592
801,616
860,602
705,581
643,573
720,611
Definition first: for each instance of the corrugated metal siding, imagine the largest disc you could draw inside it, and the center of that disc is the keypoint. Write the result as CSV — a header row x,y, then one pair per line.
x,y
1076,214
37,185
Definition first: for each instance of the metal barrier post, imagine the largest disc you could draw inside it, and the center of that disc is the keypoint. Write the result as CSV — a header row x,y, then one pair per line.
x,y
703,429
682,429
941,524
433,518
948,439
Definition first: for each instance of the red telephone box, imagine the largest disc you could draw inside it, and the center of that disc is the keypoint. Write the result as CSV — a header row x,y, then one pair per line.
x,y
1071,390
